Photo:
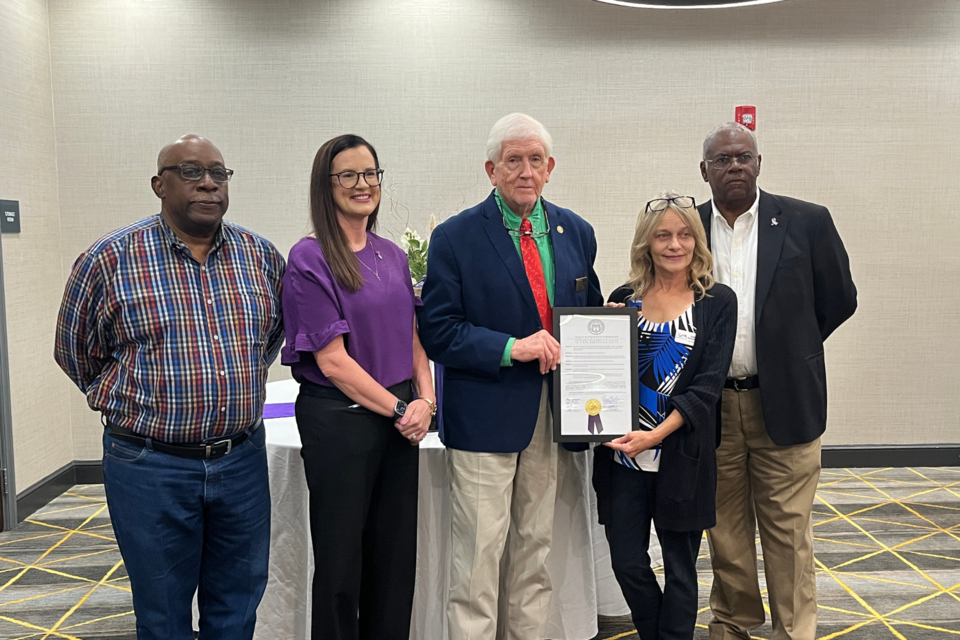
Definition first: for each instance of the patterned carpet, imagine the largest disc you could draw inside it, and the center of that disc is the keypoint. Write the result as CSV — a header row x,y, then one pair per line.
x,y
61,575
887,542
888,558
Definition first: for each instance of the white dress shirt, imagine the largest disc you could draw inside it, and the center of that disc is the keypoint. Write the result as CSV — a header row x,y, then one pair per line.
x,y
735,265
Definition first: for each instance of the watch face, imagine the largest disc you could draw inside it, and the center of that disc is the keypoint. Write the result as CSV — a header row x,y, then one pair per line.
x,y
400,408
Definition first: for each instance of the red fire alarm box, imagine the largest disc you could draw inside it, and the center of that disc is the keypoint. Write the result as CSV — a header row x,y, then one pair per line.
x,y
747,116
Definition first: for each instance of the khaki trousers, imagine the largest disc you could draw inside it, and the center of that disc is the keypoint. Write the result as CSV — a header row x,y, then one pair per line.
x,y
761,484
503,502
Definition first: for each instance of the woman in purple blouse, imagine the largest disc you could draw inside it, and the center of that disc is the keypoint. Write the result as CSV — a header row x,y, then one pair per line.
x,y
352,344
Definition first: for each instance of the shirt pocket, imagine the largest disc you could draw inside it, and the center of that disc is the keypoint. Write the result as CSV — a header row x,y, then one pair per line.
x,y
254,314
792,261
142,314
253,303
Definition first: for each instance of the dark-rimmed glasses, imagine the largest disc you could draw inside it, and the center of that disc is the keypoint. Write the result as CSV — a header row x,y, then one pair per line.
x,y
194,172
723,162
660,204
350,179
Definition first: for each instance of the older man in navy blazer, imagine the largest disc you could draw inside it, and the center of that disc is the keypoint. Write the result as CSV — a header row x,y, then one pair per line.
x,y
495,273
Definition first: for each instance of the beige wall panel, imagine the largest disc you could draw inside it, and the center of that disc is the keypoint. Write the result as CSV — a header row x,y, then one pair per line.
x,y
857,111
33,275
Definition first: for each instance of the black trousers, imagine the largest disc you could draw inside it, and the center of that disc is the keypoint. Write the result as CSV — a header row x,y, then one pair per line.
x,y
670,614
362,475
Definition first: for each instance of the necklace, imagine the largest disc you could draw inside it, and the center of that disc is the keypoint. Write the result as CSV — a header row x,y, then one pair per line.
x,y
376,271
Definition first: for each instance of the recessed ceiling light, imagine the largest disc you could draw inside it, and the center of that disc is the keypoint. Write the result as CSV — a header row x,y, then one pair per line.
x,y
686,4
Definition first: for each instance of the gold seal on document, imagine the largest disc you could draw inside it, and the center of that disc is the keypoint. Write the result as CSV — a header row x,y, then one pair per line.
x,y
593,407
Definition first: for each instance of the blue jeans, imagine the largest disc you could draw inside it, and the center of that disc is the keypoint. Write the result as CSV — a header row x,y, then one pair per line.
x,y
190,525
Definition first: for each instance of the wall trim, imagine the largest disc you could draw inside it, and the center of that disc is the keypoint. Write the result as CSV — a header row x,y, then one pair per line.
x,y
89,471
39,494
890,455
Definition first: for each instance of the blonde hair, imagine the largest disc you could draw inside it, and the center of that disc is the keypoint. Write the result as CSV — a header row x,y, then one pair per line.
x,y
642,275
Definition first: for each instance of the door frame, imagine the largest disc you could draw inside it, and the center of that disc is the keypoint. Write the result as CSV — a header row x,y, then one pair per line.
x,y
8,484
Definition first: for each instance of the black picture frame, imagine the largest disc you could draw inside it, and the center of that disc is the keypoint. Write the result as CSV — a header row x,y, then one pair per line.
x,y
558,314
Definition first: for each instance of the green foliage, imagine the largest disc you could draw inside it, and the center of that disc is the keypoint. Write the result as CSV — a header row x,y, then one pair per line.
x,y
416,249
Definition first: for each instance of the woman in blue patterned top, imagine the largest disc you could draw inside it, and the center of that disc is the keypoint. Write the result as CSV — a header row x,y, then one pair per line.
x,y
666,471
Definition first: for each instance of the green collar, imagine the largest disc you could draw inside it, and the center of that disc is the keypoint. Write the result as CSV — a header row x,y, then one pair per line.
x,y
537,216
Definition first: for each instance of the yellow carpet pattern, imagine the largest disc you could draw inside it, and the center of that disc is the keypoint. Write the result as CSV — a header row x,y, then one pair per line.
x,y
887,546
61,575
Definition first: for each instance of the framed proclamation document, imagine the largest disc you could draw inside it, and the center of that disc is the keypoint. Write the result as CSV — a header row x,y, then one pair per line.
x,y
595,385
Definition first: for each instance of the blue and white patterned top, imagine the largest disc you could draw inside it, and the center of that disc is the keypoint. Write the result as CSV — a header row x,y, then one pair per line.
x,y
662,351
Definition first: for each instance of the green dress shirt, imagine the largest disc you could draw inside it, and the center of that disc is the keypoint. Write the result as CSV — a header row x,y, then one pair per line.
x,y
538,221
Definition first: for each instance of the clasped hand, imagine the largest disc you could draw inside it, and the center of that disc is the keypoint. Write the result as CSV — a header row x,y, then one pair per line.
x,y
415,422
540,346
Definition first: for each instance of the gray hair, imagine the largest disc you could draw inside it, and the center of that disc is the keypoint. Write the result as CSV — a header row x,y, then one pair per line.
x,y
729,127
516,126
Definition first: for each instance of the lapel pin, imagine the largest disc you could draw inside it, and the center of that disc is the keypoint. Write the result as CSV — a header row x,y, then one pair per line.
x,y
559,229
381,257
773,222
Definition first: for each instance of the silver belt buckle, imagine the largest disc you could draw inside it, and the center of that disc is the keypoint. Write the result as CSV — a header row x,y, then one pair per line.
x,y
210,447
736,384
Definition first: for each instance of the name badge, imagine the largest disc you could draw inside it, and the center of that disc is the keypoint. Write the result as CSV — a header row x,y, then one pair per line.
x,y
581,284
686,338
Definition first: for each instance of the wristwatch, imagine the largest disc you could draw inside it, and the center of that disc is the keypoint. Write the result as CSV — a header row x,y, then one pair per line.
x,y
433,406
399,409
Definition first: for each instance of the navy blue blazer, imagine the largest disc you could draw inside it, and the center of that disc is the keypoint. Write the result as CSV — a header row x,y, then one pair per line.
x,y
477,296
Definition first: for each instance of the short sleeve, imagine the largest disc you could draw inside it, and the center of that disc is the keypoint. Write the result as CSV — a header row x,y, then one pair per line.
x,y
311,305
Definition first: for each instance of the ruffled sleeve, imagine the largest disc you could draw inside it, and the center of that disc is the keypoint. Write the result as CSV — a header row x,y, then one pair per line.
x,y
311,303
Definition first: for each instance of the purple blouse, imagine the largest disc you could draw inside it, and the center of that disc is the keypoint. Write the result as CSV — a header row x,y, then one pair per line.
x,y
376,321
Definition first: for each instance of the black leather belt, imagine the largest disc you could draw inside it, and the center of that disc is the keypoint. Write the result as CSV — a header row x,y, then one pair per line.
x,y
203,450
742,384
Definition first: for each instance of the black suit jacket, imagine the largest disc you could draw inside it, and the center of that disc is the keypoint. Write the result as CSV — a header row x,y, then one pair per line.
x,y
687,480
804,292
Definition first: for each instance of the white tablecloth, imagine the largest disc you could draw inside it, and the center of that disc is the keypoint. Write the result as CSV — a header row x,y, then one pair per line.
x,y
579,562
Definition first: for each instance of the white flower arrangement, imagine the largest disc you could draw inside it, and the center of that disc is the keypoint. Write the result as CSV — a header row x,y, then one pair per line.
x,y
416,250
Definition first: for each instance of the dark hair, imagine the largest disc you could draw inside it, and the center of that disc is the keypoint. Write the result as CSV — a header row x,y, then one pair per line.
x,y
323,211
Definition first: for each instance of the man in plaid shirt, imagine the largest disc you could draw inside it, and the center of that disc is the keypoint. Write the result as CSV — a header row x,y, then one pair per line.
x,y
168,326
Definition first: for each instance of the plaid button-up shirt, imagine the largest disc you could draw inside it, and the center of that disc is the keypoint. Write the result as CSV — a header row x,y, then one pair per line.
x,y
167,347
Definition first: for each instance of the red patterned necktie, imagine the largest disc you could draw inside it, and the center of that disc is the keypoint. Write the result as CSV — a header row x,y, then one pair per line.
x,y
534,269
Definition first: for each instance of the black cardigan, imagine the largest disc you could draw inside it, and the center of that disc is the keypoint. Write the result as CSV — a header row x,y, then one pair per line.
x,y
687,484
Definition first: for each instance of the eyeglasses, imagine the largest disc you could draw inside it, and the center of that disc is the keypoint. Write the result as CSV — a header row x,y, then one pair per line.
x,y
193,172
660,204
350,179
516,233
722,162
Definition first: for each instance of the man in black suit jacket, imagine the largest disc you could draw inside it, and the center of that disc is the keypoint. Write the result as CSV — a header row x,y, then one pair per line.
x,y
785,260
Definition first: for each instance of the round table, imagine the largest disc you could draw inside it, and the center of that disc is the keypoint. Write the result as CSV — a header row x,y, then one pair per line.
x,y
579,562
